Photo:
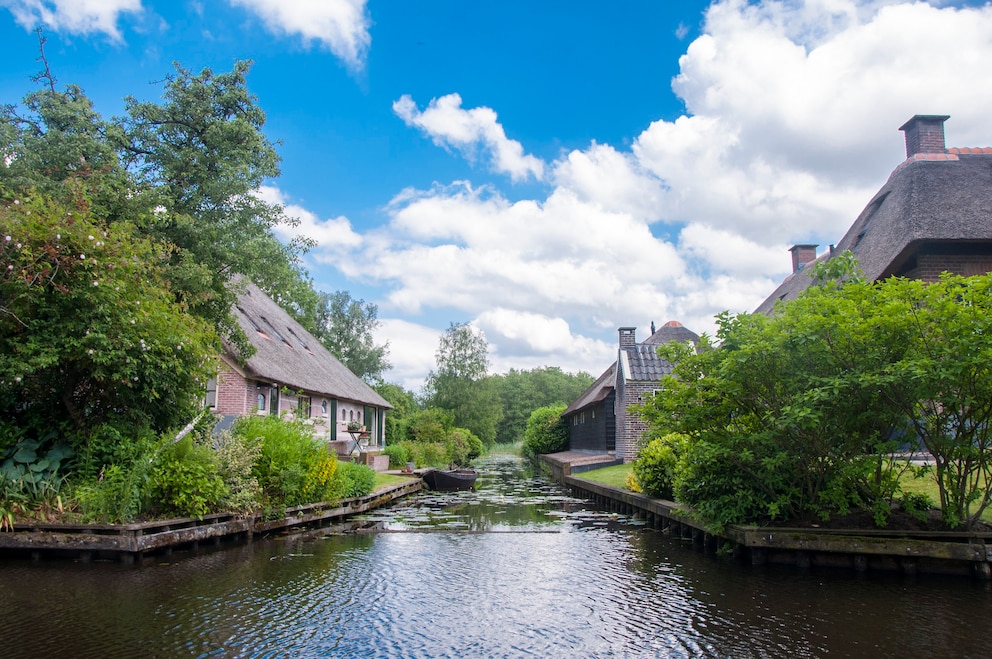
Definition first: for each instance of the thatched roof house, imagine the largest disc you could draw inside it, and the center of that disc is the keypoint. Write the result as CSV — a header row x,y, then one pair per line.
x,y
292,372
934,214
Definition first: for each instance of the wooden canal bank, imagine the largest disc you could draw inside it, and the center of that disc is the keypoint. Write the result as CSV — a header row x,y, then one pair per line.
x,y
909,552
133,543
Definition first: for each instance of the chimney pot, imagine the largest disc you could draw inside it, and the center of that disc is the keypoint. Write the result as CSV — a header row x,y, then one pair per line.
x,y
802,255
627,337
925,134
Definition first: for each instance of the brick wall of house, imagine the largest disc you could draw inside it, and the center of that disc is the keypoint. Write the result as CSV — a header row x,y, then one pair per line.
x,y
631,427
235,394
930,266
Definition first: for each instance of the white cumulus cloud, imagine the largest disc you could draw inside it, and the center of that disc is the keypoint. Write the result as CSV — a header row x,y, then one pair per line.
x,y
470,132
341,26
74,16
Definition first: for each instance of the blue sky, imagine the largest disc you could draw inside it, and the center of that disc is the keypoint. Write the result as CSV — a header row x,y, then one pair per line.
x,y
549,171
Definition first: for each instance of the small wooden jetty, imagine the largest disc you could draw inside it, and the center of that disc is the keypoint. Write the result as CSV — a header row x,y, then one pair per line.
x,y
133,543
909,552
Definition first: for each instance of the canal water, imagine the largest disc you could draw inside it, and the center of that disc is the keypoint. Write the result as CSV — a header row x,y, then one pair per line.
x,y
517,568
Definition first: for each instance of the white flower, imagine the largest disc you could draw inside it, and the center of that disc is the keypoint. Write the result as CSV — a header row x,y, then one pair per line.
x,y
96,283
82,256
90,237
7,238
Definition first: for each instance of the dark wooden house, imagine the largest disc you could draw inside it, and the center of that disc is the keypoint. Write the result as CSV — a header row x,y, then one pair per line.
x,y
600,420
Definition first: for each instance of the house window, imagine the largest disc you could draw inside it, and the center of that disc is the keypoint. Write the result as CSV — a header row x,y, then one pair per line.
x,y
303,406
261,402
274,400
211,401
344,415
323,407
593,412
351,415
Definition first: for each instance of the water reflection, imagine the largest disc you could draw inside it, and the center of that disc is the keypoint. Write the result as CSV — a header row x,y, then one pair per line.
x,y
516,569
509,496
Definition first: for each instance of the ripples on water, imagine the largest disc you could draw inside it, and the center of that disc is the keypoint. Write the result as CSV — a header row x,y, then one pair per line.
x,y
516,569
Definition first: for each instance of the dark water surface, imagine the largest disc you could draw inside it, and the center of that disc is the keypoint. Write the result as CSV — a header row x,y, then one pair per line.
x,y
515,569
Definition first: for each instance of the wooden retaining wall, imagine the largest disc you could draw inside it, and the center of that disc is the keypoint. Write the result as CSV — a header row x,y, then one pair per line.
x,y
131,543
862,550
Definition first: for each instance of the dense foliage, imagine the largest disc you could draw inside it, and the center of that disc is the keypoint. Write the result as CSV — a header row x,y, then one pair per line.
x,y
657,464
346,326
546,431
521,392
90,331
459,382
796,416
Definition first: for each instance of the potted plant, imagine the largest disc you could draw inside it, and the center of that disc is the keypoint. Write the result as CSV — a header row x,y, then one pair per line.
x,y
355,426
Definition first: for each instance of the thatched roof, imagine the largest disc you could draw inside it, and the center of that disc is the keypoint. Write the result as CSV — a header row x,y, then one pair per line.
x,y
596,393
930,199
288,355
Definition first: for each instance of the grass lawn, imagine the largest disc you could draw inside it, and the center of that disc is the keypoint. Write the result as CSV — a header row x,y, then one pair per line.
x,y
384,480
928,486
614,476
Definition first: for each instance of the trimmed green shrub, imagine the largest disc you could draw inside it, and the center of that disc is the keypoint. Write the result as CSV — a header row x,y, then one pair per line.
x,y
357,480
656,465
398,455
546,431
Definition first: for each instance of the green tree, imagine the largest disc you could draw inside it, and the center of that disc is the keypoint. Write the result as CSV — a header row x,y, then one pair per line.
x,y
90,332
184,172
786,417
346,326
943,384
203,152
460,384
404,405
521,392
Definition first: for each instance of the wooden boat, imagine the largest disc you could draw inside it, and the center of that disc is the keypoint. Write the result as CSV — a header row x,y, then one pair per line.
x,y
455,479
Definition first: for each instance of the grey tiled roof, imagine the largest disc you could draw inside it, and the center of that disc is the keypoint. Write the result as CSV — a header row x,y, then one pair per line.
x,y
929,198
287,354
642,363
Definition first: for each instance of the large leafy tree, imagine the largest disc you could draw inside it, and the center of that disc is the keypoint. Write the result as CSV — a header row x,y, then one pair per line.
x,y
346,327
183,170
202,151
523,391
460,382
794,416
785,419
90,332
943,385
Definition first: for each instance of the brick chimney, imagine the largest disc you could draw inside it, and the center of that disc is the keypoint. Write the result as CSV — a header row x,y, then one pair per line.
x,y
925,134
627,338
802,255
